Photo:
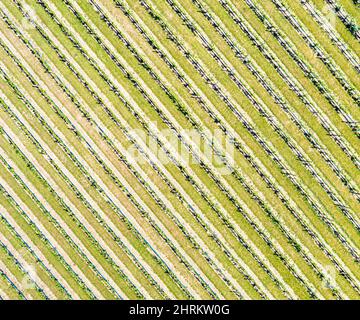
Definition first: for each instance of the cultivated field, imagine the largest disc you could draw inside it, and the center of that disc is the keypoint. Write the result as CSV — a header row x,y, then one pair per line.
x,y
167,149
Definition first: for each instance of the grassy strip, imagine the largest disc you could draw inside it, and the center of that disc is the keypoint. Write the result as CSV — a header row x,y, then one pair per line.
x,y
272,154
47,247
276,29
49,228
31,258
346,139
349,22
8,288
33,292
48,70
88,233
285,107
344,25
330,39
154,48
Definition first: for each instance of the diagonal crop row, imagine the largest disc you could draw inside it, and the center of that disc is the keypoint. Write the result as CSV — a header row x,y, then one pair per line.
x,y
279,100
38,292
5,288
178,134
315,46
335,38
295,87
109,194
345,18
244,120
25,242
285,200
35,275
59,227
75,160
253,194
11,281
52,245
